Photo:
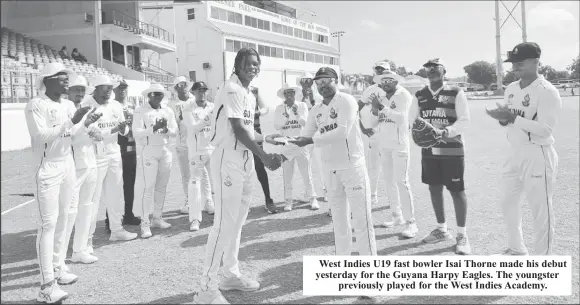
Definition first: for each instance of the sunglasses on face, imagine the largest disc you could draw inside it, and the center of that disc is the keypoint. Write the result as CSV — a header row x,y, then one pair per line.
x,y
157,94
323,81
388,81
290,92
432,68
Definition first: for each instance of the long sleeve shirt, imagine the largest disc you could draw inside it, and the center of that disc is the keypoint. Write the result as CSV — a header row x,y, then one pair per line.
x,y
49,125
83,144
538,107
178,106
108,123
197,121
144,120
289,123
334,128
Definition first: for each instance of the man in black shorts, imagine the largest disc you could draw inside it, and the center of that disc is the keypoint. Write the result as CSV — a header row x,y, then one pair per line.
x,y
445,107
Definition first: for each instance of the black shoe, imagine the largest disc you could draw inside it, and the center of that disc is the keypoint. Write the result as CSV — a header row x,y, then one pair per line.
x,y
131,221
271,207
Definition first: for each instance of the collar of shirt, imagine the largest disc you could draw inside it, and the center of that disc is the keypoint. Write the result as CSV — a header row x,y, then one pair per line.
x,y
534,84
438,90
234,78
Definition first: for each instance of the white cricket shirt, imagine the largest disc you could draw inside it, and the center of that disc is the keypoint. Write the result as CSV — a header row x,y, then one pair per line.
x,y
83,144
197,120
178,107
146,117
287,122
112,116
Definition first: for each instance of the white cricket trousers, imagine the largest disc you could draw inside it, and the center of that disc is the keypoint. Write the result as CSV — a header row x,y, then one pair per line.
x,y
531,170
300,157
55,181
349,193
232,172
316,157
80,211
395,167
184,168
199,188
373,163
153,172
110,188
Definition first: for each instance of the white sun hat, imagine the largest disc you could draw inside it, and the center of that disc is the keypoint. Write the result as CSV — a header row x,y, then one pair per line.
x,y
153,88
377,79
103,80
79,80
297,95
52,69
181,79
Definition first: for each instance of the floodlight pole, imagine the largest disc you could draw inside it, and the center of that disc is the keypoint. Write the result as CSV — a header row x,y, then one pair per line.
x,y
524,32
499,62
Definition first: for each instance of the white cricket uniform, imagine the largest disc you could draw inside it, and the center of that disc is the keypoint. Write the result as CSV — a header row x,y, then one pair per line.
x,y
109,165
334,128
316,153
197,120
178,107
154,159
372,147
532,162
81,207
392,132
232,168
49,125
290,124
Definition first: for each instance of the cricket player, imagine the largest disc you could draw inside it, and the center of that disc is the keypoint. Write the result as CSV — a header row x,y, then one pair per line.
x,y
108,156
84,136
153,124
390,114
373,148
49,119
334,128
289,119
232,166
184,99
529,113
197,120
445,107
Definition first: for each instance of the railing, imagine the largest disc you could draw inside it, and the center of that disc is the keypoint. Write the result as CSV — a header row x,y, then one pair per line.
x,y
18,86
138,27
158,78
155,68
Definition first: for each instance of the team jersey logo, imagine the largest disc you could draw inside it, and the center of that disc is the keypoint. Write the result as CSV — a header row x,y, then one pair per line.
x,y
526,101
192,162
228,181
393,105
333,114
510,99
318,116
147,162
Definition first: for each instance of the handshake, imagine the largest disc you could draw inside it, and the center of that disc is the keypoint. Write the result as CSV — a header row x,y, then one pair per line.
x,y
273,161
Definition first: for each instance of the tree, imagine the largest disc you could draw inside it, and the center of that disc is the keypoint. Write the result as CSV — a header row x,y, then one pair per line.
x,y
548,72
574,68
510,77
562,75
401,71
422,72
481,72
392,63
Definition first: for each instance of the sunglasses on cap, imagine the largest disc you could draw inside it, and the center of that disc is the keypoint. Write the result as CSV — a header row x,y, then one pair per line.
x,y
433,68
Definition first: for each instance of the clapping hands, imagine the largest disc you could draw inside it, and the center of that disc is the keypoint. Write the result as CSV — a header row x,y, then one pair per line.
x,y
160,124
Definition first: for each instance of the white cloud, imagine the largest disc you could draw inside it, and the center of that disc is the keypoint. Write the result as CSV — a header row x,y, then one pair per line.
x,y
555,15
373,25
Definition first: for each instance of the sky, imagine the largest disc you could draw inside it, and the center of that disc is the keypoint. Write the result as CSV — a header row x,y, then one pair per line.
x,y
459,32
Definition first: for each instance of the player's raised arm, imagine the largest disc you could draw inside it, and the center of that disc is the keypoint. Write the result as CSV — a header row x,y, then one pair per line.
x,y
463,117
549,107
345,121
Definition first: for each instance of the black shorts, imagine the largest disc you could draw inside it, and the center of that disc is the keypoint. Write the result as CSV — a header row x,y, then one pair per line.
x,y
444,171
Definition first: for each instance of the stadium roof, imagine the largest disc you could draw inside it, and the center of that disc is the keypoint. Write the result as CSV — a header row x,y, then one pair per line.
x,y
288,41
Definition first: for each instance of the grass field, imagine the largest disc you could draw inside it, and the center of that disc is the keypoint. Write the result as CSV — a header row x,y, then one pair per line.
x,y
166,267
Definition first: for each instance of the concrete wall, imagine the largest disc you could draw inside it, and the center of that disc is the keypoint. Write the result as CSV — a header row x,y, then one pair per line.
x,y
14,129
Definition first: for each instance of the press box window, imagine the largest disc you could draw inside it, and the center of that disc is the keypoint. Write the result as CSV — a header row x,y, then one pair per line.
x,y
191,13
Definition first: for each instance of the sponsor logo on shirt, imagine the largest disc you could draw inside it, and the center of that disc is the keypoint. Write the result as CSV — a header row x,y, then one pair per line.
x,y
328,128
526,101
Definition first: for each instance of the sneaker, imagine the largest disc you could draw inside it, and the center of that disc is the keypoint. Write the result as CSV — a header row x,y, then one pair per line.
x,y
410,230
194,225
146,232
131,221
83,257
314,204
462,247
209,297
184,209
239,283
513,252
271,207
209,207
437,236
51,294
122,235
65,278
288,206
398,220
160,223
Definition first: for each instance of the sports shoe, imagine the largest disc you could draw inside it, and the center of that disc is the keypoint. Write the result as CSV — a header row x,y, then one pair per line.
x,y
83,257
209,207
410,230
51,294
513,252
184,209
398,220
122,235
271,207
160,223
314,204
65,278
462,247
288,206
239,283
146,232
209,297
437,236
131,221
194,225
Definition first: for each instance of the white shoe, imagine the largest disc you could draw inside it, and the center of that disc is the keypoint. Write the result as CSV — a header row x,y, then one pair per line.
x,y
209,297
65,268
462,247
51,294
184,209
288,206
410,230
398,220
146,232
512,252
160,223
65,278
83,257
314,204
122,235
209,207
194,225
239,283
